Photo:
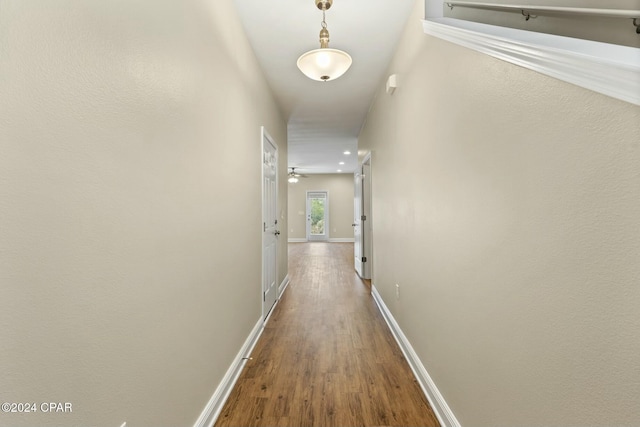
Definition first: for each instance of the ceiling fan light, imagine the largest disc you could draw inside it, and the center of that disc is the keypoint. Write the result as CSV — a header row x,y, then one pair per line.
x,y
324,64
293,179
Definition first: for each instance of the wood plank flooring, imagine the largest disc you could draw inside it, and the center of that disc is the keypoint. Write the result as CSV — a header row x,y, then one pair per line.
x,y
326,356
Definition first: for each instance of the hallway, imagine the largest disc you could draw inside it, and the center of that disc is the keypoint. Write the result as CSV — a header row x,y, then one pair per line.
x,y
326,356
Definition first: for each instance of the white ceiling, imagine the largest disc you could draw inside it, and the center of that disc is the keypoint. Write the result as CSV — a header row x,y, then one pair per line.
x,y
324,118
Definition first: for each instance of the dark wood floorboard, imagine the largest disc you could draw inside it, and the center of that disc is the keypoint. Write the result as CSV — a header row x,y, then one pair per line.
x,y
326,356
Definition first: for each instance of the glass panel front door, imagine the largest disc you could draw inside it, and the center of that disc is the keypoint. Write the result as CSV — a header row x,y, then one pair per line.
x,y
317,215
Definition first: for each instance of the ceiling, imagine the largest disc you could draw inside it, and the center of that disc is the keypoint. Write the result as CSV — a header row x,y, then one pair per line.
x,y
324,118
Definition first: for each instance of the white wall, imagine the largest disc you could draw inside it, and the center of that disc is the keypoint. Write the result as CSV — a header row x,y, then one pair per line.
x,y
340,188
506,206
129,243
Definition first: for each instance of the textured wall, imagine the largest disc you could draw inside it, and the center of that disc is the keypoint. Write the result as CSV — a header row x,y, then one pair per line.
x,y
506,206
340,188
129,241
607,30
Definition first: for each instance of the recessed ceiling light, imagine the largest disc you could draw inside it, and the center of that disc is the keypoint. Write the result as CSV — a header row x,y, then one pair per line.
x,y
341,163
347,152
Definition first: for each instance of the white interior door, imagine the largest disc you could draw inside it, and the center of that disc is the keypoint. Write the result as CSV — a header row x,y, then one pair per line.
x,y
366,223
270,230
317,215
357,226
362,232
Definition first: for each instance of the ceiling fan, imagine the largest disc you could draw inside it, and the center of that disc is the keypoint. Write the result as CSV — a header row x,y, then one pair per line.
x,y
293,176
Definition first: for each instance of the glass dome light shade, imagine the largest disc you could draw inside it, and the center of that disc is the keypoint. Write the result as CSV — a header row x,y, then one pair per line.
x,y
324,64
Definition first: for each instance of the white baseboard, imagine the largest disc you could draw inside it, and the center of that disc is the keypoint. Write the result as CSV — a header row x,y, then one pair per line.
x,y
211,412
283,286
440,407
297,240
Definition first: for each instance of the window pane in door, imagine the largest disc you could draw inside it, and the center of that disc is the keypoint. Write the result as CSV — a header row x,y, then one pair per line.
x,y
317,216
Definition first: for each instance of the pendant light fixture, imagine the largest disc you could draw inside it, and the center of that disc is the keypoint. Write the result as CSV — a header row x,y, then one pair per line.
x,y
324,64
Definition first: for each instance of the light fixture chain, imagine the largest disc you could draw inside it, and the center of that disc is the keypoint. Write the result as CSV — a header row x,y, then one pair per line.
x,y
324,22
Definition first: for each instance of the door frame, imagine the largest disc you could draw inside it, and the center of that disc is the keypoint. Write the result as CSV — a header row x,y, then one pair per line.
x,y
326,216
264,139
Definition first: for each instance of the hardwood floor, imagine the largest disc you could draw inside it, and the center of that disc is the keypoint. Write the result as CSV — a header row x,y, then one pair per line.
x,y
326,356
